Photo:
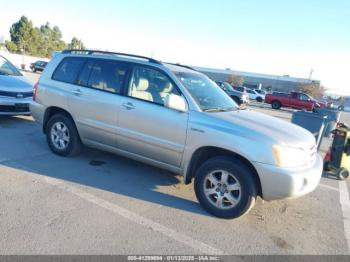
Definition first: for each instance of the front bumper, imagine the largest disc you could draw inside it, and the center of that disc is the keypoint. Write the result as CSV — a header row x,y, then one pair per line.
x,y
14,106
281,183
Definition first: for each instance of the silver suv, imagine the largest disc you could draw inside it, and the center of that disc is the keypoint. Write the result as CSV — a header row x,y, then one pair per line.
x,y
175,118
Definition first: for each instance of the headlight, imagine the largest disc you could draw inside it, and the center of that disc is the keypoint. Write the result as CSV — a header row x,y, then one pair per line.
x,y
290,156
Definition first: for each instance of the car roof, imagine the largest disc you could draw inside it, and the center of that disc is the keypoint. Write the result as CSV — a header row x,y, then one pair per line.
x,y
179,68
127,58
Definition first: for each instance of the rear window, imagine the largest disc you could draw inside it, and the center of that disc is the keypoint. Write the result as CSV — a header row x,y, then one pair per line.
x,y
280,94
68,69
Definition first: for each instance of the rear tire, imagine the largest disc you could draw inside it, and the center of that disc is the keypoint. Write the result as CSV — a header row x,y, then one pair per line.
x,y
225,187
276,104
62,136
259,99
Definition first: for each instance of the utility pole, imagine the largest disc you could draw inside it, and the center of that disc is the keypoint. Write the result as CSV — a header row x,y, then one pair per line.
x,y
311,72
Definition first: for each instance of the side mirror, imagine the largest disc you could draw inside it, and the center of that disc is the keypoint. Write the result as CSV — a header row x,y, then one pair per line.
x,y
176,102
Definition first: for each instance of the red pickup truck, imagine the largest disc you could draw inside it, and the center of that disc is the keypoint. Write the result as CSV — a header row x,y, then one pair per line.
x,y
293,100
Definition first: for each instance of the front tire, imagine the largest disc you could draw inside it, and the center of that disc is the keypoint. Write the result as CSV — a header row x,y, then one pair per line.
x,y
62,136
225,187
259,99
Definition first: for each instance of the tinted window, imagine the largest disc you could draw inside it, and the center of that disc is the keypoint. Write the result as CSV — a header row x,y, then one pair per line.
x,y
304,97
68,70
107,75
280,94
83,78
240,89
151,85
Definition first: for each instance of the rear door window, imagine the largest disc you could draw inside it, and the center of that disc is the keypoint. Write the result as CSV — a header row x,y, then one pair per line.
x,y
107,75
83,78
68,69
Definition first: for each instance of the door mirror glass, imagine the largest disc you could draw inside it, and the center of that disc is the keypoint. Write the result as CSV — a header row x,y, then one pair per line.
x,y
176,102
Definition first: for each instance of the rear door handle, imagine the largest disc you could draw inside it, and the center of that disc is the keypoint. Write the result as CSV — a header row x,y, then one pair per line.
x,y
77,92
128,106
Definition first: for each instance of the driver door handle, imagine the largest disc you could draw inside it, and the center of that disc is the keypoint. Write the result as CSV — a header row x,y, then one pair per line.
x,y
128,106
77,92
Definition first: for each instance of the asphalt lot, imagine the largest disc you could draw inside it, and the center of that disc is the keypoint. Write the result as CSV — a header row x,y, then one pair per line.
x,y
98,203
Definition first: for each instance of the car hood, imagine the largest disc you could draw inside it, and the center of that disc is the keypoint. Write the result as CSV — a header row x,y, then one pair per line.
x,y
15,84
268,128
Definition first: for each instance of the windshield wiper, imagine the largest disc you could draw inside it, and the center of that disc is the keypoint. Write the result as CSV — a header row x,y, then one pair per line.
x,y
5,74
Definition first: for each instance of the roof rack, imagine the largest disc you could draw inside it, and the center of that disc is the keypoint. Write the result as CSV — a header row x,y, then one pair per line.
x,y
185,66
91,52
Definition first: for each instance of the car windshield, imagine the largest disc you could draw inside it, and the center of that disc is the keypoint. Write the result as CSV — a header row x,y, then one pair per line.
x,y
6,68
228,87
260,91
208,96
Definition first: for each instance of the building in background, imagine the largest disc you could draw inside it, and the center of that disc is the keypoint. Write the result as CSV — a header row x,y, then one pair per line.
x,y
255,80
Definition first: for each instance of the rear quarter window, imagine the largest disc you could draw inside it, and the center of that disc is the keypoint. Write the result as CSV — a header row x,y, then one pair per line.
x,y
68,70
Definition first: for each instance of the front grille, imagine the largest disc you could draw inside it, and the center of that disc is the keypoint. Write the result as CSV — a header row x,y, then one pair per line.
x,y
16,94
21,108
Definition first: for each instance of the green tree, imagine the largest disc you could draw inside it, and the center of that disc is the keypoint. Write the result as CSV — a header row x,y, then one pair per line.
x,y
76,44
52,39
235,80
42,41
313,89
11,46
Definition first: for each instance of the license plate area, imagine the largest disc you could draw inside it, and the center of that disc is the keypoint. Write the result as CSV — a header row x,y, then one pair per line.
x,y
21,107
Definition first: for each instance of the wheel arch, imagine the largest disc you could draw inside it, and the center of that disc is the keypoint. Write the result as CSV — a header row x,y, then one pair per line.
x,y
204,153
53,110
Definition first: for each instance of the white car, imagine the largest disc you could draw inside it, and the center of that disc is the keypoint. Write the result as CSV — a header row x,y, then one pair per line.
x,y
15,90
254,95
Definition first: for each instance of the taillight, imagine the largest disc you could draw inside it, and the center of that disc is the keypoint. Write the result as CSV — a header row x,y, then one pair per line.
x,y
35,89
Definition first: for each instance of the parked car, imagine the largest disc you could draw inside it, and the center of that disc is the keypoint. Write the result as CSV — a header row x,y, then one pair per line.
x,y
241,89
174,118
326,103
253,95
294,100
263,93
38,66
15,90
238,97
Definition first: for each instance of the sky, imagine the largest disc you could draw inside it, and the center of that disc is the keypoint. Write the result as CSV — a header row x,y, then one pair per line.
x,y
288,37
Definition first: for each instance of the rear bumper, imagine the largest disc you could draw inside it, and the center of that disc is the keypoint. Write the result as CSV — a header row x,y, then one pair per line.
x,y
281,183
14,106
37,111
